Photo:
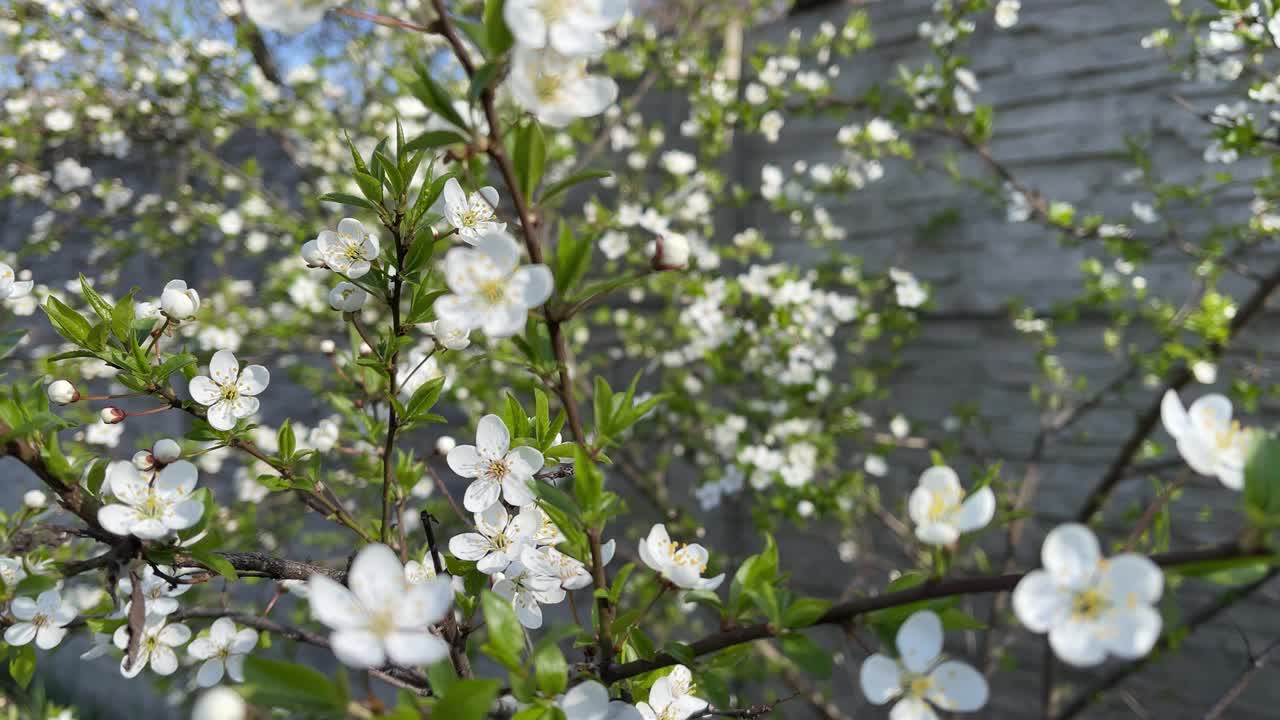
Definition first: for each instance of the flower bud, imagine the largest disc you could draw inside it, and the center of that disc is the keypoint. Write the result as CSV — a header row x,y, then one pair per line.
x,y
444,444
220,703
311,254
166,450
35,499
112,415
62,392
178,302
346,297
670,252
143,460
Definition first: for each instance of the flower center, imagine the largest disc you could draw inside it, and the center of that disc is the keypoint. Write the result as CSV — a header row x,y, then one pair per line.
x,y
554,10
547,86
39,620
1088,604
918,685
1227,437
230,393
492,291
382,623
682,556
500,541
938,507
352,252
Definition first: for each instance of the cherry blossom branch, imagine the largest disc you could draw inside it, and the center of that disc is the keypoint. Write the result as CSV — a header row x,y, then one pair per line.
x,y
559,345
399,676
387,21
845,612
1150,417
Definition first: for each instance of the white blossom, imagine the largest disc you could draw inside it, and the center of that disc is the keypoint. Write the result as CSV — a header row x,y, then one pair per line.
x,y
940,510
10,287
570,27
528,589
1090,607
158,595
350,251
287,16
222,650
220,703
671,697
178,302
346,297
473,215
155,648
449,335
151,507
380,616
682,565
489,289
228,391
558,89
498,468
498,539
589,700
918,678
43,619
1207,438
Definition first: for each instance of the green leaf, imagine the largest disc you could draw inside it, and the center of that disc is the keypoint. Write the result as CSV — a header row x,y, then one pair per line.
x,y
505,636
122,320
576,179
588,481
348,199
550,669
22,666
69,323
424,398
9,340
294,687
1262,485
286,443
530,156
434,139
435,97
573,259
495,27
482,80
96,301
467,700
806,654
173,364
804,612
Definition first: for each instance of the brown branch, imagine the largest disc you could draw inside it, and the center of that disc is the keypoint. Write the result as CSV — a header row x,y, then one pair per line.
x,y
847,611
1150,417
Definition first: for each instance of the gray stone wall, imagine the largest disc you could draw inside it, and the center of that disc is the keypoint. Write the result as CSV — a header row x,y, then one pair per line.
x,y
1069,83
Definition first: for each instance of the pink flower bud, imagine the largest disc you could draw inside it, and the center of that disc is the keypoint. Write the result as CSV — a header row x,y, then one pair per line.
x,y
112,415
144,461
670,252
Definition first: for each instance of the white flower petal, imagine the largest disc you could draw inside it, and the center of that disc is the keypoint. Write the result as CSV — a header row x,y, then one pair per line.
x,y
210,673
957,686
415,648
254,379
911,708
1038,603
919,640
1077,643
492,438
1070,554
1173,415
376,576
333,604
1131,632
203,390
481,494
224,368
880,677
1129,580
976,511
358,648
465,461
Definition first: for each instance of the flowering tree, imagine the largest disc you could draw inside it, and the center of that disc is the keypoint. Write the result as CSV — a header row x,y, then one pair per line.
x,y
479,222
